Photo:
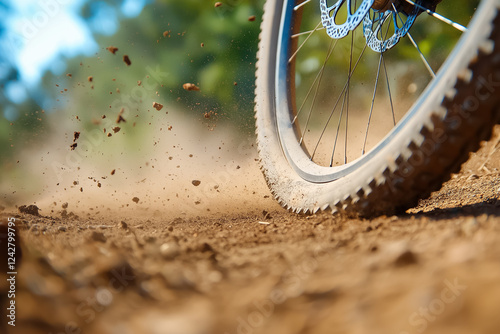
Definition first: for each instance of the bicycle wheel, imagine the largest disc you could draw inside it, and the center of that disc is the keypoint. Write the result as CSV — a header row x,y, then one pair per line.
x,y
380,116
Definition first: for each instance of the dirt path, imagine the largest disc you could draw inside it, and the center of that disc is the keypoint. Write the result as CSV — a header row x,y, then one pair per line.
x,y
434,270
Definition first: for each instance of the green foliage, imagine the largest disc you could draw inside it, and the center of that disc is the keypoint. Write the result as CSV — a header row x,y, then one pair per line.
x,y
213,48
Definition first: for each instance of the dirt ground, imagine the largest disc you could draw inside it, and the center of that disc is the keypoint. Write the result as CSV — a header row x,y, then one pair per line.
x,y
435,269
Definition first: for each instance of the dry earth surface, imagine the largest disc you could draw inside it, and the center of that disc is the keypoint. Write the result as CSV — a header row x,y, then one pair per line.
x,y
435,269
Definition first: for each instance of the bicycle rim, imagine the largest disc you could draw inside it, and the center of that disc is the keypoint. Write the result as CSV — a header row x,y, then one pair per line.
x,y
333,103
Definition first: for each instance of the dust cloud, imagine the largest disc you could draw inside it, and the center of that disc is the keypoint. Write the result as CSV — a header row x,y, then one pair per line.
x,y
169,166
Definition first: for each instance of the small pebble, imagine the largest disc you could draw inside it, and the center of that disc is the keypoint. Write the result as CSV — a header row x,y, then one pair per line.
x,y
29,209
112,49
126,60
406,258
190,87
157,106
169,250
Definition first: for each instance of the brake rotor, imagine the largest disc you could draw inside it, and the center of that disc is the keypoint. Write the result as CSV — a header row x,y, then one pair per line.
x,y
329,15
374,20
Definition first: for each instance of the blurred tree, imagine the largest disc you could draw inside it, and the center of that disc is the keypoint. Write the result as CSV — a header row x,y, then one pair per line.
x,y
192,42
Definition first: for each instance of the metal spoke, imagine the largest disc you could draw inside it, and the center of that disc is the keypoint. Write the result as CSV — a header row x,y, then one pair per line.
x,y
343,91
338,99
338,128
307,32
319,77
346,126
303,43
380,61
330,52
426,63
439,16
389,90
302,4
347,95
346,105
373,103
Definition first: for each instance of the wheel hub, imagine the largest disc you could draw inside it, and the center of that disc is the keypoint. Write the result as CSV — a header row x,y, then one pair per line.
x,y
382,5
385,5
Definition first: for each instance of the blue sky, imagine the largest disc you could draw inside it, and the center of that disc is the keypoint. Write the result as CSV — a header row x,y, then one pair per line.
x,y
41,34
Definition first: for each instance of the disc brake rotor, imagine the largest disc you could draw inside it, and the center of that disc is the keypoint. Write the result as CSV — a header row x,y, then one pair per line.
x,y
329,14
373,22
